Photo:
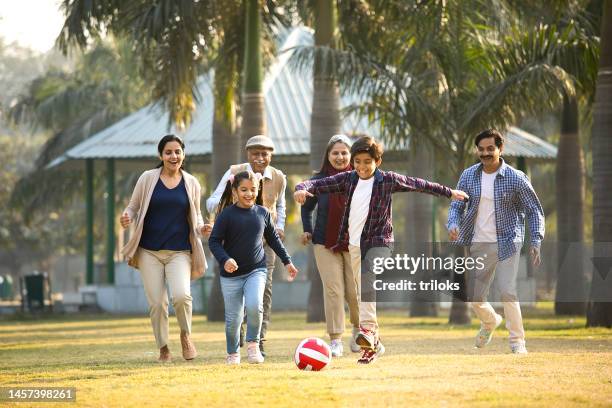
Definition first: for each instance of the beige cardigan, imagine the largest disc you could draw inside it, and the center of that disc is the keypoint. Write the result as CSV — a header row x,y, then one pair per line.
x,y
137,208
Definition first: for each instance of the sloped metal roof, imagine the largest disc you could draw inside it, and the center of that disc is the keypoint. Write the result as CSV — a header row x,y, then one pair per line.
x,y
523,144
288,100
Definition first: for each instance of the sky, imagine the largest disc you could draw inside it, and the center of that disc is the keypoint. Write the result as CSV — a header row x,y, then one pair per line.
x,y
31,23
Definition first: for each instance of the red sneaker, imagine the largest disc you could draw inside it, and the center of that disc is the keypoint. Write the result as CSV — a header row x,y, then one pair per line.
x,y
371,354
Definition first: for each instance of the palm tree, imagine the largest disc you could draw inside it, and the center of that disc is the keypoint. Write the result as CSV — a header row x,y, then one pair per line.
x,y
599,312
177,41
446,70
570,164
72,106
253,121
570,176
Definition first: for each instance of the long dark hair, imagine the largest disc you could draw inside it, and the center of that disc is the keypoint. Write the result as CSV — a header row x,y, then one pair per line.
x,y
325,164
226,197
162,144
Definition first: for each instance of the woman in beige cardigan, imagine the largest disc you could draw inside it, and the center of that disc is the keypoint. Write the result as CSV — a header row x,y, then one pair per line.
x,y
165,245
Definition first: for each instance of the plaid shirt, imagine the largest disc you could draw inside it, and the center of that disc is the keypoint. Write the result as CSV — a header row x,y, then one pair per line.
x,y
513,198
378,228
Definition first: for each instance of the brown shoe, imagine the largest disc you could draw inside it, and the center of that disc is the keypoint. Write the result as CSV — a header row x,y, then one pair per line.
x,y
189,350
164,355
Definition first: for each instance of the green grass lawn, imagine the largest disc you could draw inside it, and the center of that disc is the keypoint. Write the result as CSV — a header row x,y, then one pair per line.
x,y
111,361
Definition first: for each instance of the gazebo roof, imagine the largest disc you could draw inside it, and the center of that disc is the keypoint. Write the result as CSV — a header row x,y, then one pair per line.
x,y
288,99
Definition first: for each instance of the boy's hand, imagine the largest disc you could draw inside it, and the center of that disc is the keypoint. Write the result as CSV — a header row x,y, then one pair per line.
x,y
125,220
300,196
230,266
460,195
306,237
293,271
281,234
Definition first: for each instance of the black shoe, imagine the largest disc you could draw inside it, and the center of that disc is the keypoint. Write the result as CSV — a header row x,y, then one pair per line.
x,y
261,347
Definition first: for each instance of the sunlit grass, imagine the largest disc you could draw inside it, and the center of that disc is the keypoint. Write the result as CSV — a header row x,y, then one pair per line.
x,y
112,362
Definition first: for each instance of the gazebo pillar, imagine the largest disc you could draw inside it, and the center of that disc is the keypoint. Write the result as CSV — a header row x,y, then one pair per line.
x,y
110,220
89,214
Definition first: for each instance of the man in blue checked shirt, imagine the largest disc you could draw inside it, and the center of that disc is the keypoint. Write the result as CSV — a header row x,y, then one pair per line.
x,y
492,225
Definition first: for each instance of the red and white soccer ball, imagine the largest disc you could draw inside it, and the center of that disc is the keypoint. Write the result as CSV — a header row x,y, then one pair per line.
x,y
312,354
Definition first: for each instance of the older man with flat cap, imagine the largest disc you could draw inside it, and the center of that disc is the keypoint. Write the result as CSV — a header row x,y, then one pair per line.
x,y
259,155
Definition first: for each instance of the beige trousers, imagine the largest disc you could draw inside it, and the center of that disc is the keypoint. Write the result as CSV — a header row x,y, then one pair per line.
x,y
340,284
480,281
157,268
367,310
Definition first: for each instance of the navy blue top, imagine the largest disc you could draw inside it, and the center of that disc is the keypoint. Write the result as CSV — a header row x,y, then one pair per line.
x,y
166,224
238,233
321,201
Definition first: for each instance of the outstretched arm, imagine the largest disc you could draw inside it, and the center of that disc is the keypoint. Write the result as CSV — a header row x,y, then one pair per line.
x,y
456,209
213,200
331,184
407,183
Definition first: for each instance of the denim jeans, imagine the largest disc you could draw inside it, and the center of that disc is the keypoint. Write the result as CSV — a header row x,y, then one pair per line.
x,y
237,292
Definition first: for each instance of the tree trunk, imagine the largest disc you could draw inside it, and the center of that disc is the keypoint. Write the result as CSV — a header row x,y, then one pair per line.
x,y
570,223
225,153
460,312
419,228
324,123
253,108
599,311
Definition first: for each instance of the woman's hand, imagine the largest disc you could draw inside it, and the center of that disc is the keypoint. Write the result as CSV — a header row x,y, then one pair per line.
x,y
206,230
230,266
300,196
306,238
125,220
293,271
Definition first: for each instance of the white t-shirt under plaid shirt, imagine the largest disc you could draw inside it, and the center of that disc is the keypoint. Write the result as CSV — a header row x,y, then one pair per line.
x,y
360,206
484,227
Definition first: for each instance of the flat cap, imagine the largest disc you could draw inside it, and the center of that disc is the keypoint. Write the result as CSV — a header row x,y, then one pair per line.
x,y
260,141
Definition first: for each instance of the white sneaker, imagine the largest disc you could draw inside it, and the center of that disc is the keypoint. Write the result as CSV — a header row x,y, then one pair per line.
x,y
518,348
254,354
232,359
484,336
355,348
336,348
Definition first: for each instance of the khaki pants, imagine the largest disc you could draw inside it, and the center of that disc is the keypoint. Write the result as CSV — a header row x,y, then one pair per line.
x,y
267,296
367,310
340,284
480,281
157,268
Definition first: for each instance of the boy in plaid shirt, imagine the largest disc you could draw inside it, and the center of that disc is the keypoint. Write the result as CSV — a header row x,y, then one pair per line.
x,y
366,224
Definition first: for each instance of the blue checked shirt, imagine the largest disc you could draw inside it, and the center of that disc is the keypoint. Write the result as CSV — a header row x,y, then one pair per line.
x,y
514,198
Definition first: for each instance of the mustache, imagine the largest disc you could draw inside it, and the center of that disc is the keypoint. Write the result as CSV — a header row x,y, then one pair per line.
x,y
486,157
